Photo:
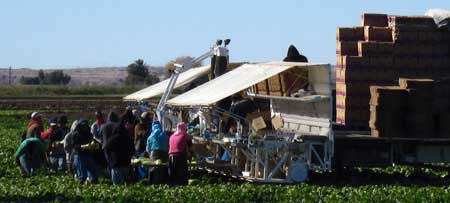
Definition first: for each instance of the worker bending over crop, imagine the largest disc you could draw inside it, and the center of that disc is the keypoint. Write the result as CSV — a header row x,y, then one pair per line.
x,y
53,138
157,147
179,144
30,155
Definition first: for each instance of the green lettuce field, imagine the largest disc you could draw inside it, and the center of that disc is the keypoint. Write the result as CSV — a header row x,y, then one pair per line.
x,y
393,184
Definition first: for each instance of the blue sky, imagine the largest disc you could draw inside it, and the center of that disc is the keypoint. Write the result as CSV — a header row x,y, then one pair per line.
x,y
90,33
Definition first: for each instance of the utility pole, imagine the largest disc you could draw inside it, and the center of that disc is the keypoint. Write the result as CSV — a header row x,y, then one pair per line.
x,y
9,75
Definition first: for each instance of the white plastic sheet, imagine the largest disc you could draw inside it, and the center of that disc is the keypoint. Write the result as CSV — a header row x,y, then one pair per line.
x,y
232,82
159,88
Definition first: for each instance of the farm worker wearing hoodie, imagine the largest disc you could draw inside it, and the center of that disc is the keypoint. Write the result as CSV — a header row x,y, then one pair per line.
x,y
119,149
107,128
82,152
30,155
157,147
68,146
178,153
35,126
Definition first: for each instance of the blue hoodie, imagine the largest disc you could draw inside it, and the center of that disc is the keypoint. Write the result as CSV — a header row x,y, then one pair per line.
x,y
158,139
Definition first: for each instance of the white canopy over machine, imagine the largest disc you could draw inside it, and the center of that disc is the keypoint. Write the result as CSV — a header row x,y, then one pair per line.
x,y
234,81
158,89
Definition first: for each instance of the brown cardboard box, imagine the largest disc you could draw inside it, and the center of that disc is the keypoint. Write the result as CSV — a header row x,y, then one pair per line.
x,y
386,48
411,21
382,61
425,84
345,102
367,48
387,95
404,62
347,116
440,50
387,109
349,75
425,36
352,62
364,114
381,34
339,62
349,48
374,19
443,127
350,33
258,123
405,36
352,89
408,49
277,122
425,62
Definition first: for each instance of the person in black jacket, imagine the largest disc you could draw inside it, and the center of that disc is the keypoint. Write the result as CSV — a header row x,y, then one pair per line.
x,y
119,149
83,145
107,128
294,56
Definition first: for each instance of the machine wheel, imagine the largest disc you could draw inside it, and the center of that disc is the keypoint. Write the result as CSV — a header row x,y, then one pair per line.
x,y
298,170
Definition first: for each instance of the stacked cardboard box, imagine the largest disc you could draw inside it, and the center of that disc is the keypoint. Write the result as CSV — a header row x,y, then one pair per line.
x,y
388,108
381,51
419,119
417,108
406,110
441,108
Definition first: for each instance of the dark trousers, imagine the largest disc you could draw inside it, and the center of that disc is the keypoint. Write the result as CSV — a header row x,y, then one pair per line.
x,y
158,174
178,169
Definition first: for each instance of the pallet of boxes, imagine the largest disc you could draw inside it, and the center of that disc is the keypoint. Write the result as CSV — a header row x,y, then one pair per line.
x,y
370,61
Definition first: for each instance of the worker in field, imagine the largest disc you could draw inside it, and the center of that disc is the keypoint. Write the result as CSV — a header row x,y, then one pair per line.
x,y
141,132
119,149
53,138
293,55
82,152
62,124
106,129
129,122
157,147
51,131
35,126
179,153
30,155
96,126
239,107
106,132
68,147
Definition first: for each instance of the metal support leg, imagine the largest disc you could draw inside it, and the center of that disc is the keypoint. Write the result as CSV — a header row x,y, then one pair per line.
x,y
266,163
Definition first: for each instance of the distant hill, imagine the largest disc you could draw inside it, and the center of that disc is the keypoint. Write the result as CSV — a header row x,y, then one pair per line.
x,y
80,76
